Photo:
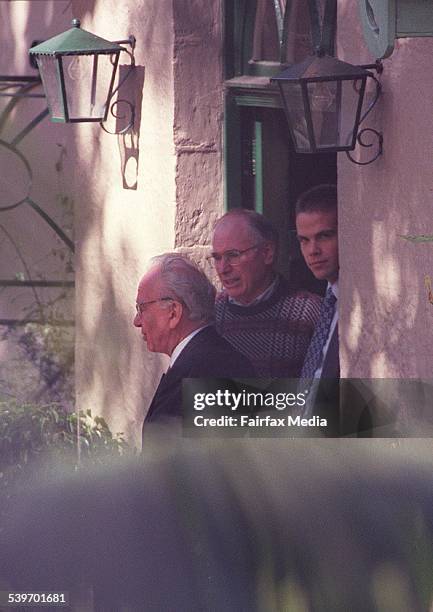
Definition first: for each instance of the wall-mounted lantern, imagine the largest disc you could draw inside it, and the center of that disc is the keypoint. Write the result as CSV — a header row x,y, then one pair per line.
x,y
323,99
78,71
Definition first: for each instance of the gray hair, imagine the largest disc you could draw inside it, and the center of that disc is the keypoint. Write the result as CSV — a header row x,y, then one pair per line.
x,y
186,282
259,225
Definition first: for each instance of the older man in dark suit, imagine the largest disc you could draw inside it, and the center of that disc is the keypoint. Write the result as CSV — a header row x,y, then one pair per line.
x,y
175,311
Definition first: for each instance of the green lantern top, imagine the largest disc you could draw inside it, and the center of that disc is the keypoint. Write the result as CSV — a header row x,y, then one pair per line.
x,y
75,41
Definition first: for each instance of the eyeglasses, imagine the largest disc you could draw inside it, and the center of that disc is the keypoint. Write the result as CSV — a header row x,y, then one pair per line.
x,y
233,257
139,306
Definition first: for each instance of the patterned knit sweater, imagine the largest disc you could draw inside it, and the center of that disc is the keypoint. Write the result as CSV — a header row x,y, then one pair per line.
x,y
273,334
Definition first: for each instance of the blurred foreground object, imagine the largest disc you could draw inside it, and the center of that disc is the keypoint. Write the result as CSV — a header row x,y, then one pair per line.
x,y
35,438
251,525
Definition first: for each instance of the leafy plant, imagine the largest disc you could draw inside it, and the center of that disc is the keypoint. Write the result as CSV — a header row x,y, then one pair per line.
x,y
40,437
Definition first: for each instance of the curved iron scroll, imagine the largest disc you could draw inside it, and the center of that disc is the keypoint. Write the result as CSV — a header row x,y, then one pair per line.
x,y
114,105
359,138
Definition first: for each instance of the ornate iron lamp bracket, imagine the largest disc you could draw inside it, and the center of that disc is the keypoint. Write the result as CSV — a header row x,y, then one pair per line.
x,y
114,105
376,134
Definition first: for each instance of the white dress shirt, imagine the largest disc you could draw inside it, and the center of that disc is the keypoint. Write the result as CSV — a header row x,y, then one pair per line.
x,y
260,298
182,344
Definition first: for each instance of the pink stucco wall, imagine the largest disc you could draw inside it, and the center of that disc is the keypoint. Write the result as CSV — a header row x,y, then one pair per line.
x,y
178,191
156,189
121,221
160,188
386,318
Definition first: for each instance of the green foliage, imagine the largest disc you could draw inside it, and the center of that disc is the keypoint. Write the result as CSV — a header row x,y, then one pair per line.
x,y
42,437
420,238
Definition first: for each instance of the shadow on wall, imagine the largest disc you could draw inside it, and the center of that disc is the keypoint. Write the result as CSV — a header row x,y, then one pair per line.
x,y
117,376
90,182
387,317
129,142
30,251
107,327
101,289
25,22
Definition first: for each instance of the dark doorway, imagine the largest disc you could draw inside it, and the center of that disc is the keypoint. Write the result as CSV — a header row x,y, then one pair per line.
x,y
273,175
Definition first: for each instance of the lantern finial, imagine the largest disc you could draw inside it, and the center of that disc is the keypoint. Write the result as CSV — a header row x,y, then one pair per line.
x,y
76,23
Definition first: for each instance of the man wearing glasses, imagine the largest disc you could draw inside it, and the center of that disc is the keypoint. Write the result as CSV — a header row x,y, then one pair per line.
x,y
175,312
256,311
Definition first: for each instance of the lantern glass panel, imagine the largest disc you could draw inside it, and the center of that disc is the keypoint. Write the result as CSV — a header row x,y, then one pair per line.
x,y
48,68
325,105
294,106
87,81
351,103
334,106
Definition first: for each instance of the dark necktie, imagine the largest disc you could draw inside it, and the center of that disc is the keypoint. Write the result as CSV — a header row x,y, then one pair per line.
x,y
314,355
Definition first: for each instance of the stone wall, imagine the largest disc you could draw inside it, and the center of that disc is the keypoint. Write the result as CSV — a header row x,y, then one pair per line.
x,y
198,124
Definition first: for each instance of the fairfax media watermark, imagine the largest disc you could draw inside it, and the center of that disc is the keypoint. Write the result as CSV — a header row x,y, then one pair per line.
x,y
258,421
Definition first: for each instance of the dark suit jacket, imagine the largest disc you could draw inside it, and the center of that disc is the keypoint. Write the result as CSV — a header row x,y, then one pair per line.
x,y
207,355
327,400
339,401
331,365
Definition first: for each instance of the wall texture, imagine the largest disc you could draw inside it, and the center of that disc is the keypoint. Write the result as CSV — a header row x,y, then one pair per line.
x,y
198,125
159,188
175,157
386,319
123,215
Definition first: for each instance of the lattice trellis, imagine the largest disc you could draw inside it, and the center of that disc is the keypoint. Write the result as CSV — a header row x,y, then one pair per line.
x,y
17,88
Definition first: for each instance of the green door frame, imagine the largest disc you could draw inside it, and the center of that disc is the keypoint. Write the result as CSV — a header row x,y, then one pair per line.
x,y
238,96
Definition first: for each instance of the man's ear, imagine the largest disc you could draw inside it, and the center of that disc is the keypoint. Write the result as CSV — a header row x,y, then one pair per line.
x,y
175,314
269,252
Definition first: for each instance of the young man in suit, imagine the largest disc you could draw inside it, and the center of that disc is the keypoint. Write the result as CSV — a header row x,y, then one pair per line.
x,y
317,230
175,311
